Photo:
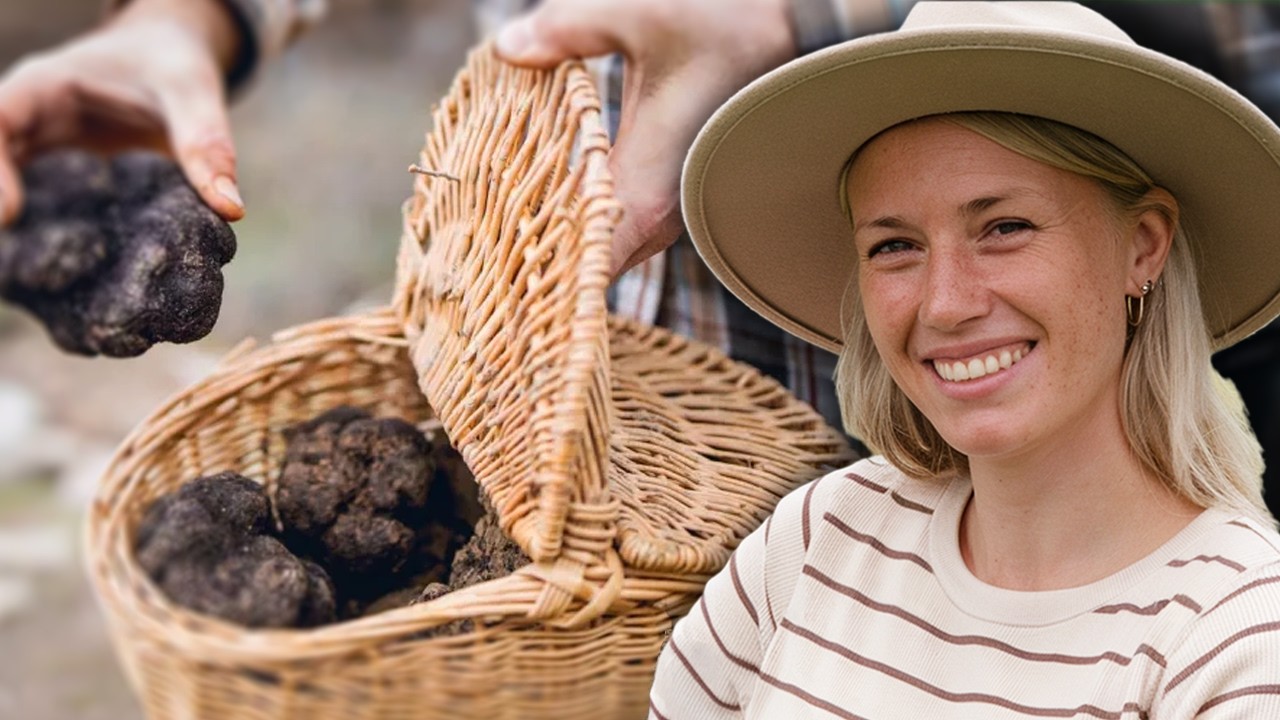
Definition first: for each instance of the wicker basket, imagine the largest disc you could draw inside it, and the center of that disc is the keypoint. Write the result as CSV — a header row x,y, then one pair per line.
x,y
625,460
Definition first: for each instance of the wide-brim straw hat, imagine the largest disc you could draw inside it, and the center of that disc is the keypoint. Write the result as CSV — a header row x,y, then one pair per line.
x,y
762,183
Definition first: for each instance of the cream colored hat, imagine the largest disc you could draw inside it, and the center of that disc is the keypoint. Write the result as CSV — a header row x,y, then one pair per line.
x,y
761,185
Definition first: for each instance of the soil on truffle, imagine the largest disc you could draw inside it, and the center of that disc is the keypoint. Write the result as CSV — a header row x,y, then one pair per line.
x,y
353,496
488,555
350,478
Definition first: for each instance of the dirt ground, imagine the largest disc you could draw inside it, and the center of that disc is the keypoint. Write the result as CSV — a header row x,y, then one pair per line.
x,y
324,138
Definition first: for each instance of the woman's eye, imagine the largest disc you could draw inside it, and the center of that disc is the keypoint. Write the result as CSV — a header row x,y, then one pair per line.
x,y
1009,227
888,246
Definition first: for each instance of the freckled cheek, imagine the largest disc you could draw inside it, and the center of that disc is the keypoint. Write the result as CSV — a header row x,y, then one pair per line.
x,y
889,314
1100,313
1087,338
887,301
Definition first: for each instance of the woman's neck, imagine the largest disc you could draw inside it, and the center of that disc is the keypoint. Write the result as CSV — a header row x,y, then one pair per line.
x,y
1068,514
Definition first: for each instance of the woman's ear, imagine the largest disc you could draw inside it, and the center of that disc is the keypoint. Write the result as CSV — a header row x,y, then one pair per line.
x,y
1151,238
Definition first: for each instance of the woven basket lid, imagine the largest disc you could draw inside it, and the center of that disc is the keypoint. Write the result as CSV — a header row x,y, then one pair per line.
x,y
501,281
595,438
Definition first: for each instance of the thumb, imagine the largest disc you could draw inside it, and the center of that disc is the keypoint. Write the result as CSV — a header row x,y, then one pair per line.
x,y
200,134
562,29
20,90
10,184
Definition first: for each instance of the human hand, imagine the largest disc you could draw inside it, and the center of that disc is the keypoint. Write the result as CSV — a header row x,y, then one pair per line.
x,y
152,77
683,59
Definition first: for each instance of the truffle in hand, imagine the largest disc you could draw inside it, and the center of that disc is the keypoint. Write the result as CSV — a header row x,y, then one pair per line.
x,y
115,256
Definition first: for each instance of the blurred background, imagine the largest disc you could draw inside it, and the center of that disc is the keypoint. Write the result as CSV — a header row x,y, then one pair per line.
x,y
325,135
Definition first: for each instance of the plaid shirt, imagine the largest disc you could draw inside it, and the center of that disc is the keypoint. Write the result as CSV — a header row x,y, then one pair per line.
x,y
1239,42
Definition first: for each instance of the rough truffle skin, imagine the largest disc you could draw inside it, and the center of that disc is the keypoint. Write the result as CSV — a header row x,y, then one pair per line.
x,y
209,547
353,494
488,555
115,256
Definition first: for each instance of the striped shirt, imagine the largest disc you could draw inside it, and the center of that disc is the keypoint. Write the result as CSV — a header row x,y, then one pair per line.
x,y
853,601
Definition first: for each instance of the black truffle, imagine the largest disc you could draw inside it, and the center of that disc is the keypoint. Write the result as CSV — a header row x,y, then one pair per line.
x,y
115,256
488,555
209,547
352,496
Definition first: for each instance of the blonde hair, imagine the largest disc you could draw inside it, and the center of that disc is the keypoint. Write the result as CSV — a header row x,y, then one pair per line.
x,y
1178,420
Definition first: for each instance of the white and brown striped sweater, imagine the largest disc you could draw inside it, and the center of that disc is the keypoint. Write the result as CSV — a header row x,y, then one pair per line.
x,y
852,601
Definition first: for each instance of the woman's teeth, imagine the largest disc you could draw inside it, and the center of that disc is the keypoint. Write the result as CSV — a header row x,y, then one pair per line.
x,y
978,367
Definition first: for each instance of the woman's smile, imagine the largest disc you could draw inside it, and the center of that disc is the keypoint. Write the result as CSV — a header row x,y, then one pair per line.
x,y
954,366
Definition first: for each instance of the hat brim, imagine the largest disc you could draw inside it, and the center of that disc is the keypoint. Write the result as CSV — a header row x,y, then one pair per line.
x,y
761,183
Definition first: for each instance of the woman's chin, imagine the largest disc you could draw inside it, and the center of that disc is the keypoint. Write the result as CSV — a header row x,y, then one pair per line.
x,y
986,442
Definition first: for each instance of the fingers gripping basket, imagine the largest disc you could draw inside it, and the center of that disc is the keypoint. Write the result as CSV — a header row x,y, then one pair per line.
x,y
625,460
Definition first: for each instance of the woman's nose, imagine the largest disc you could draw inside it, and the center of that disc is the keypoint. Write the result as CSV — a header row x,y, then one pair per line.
x,y
953,291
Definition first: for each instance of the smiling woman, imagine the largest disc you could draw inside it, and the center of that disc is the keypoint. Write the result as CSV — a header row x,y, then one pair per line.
x,y
1082,226
970,250
1025,235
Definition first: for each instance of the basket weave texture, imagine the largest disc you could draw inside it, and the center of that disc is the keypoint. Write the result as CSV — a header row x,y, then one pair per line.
x,y
595,437
625,460
506,302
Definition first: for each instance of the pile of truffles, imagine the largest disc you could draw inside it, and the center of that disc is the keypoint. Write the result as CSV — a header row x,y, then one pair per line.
x,y
115,255
211,548
353,495
371,516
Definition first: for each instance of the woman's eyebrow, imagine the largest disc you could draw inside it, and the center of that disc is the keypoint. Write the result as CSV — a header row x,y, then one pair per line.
x,y
977,205
891,222
986,202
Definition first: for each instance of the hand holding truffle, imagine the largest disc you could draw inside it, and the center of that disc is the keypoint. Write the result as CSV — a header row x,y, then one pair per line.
x,y
114,257
152,77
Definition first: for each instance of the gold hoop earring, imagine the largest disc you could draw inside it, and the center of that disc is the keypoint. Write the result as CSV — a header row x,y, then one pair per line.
x,y
1135,306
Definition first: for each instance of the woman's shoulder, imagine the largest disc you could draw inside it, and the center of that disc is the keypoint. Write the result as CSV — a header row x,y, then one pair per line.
x,y
879,477
1238,543
1228,650
1233,573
